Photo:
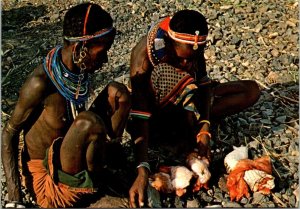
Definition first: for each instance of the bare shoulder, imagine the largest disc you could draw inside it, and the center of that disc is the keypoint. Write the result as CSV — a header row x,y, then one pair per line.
x,y
35,84
139,61
31,94
140,46
37,79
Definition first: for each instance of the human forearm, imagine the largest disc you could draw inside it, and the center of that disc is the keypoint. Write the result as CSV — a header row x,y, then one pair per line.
x,y
141,141
9,156
206,91
203,135
141,147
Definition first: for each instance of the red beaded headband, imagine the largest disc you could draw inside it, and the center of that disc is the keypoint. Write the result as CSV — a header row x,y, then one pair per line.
x,y
188,38
88,37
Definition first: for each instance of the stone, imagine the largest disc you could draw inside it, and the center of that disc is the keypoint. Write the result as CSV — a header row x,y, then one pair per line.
x,y
275,53
257,198
231,205
281,119
110,202
192,203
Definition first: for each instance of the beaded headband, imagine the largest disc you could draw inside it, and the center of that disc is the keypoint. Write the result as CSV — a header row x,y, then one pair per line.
x,y
188,38
85,37
98,34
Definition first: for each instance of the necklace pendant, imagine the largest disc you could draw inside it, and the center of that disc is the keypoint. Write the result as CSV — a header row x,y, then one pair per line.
x,y
77,92
66,75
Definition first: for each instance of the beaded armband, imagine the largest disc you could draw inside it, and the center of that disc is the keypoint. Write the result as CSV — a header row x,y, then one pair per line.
x,y
140,114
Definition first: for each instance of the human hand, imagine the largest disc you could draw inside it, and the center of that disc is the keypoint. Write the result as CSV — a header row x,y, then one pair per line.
x,y
137,190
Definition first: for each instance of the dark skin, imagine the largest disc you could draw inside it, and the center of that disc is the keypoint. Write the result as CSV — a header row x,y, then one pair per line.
x,y
229,98
41,112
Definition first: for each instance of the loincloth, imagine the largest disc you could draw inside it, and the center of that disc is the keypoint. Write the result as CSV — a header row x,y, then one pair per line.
x,y
52,187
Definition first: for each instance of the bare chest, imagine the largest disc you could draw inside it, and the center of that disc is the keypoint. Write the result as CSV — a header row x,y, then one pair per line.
x,y
55,112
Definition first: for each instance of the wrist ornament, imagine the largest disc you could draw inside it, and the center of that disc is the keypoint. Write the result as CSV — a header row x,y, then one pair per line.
x,y
10,129
205,121
145,165
203,133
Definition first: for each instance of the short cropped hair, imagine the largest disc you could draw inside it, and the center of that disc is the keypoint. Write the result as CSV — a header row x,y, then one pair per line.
x,y
189,21
74,20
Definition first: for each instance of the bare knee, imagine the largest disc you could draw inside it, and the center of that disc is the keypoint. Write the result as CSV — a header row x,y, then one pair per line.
x,y
118,95
252,92
87,121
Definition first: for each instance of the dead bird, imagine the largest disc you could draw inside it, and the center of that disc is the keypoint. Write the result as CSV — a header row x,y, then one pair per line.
x,y
172,179
199,166
245,173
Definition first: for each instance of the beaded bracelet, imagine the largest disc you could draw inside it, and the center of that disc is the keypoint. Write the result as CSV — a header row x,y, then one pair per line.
x,y
205,121
10,129
203,132
145,165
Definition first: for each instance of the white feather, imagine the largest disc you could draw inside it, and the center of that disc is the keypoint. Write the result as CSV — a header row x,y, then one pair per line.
x,y
232,158
180,176
254,177
200,167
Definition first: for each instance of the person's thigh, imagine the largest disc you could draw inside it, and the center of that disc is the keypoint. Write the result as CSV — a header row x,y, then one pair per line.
x,y
234,96
248,87
84,144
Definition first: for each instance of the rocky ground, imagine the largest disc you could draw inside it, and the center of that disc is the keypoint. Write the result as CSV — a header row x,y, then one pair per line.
x,y
256,40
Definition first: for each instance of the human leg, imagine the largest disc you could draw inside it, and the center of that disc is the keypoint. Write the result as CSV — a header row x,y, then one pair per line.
x,y
113,106
234,96
84,144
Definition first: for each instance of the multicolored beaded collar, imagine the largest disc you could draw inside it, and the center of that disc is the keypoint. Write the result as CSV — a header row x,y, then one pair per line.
x,y
64,80
156,43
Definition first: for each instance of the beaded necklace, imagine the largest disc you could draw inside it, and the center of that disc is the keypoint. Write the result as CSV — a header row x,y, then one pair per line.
x,y
66,82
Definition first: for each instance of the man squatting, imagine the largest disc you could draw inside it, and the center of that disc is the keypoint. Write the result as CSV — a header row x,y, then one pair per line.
x,y
64,141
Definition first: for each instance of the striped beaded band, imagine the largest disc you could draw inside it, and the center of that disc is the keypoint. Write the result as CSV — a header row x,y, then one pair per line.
x,y
188,38
203,133
140,114
205,121
145,165
98,34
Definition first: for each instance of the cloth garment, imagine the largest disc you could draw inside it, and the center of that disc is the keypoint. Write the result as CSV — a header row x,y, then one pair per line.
x,y
52,187
175,86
